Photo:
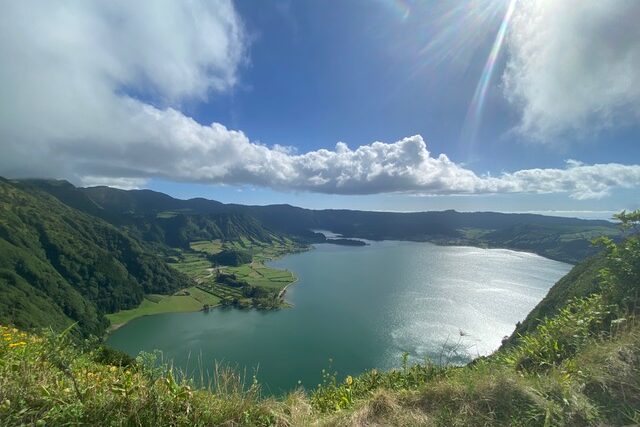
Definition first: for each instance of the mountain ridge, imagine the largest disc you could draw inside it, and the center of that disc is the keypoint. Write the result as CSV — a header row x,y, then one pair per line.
x,y
559,238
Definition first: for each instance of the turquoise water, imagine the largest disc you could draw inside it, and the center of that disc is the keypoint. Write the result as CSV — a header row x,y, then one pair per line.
x,y
362,307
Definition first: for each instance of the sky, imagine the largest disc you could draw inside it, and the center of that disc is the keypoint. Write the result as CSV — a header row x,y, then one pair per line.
x,y
398,105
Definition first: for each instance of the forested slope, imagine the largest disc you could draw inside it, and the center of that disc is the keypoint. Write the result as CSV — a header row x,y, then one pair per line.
x,y
158,218
59,265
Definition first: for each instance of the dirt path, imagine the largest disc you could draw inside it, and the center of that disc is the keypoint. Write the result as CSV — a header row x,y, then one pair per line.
x,y
199,280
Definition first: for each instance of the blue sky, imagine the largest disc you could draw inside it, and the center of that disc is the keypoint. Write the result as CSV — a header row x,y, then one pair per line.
x,y
306,75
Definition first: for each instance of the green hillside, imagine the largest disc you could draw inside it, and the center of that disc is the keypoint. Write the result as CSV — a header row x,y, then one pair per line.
x,y
578,366
582,280
165,238
59,265
156,217
562,239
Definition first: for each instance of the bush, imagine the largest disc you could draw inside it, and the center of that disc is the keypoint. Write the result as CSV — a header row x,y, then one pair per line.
x,y
559,338
231,257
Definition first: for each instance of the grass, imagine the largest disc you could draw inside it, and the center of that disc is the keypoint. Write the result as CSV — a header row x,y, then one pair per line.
x,y
220,291
194,264
257,274
46,379
156,304
210,247
166,214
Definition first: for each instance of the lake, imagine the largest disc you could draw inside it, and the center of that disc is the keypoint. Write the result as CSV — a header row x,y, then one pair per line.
x,y
362,308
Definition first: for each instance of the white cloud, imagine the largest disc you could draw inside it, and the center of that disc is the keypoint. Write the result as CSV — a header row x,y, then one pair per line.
x,y
65,72
116,182
579,180
574,65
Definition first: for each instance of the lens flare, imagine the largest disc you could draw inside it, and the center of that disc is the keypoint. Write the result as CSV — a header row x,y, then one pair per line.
x,y
474,113
403,7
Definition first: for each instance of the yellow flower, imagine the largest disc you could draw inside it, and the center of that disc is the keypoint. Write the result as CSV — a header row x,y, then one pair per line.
x,y
16,344
349,380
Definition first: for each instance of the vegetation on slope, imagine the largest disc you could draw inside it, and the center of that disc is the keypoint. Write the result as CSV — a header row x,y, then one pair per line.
x,y
154,216
587,277
244,284
68,258
159,219
59,265
184,301
235,273
579,366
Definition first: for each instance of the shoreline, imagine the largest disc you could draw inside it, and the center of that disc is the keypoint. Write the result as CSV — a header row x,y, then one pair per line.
x,y
471,244
282,293
115,326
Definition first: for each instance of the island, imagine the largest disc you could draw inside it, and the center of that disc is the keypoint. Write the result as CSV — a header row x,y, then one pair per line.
x,y
346,242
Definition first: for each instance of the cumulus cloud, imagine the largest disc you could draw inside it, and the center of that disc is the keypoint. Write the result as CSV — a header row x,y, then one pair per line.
x,y
66,71
574,65
91,91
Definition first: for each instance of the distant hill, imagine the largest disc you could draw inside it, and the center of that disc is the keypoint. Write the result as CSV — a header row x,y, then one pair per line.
x,y
59,265
563,239
157,217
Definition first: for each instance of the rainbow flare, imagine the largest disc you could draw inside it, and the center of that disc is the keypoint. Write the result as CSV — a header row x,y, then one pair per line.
x,y
474,113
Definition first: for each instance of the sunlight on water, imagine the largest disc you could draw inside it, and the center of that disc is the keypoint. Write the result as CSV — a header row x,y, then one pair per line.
x,y
363,307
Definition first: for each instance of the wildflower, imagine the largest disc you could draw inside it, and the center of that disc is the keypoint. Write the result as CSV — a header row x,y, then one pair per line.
x,y
349,380
17,344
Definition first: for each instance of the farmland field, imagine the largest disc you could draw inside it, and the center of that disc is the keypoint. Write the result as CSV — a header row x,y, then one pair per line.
x,y
190,299
194,263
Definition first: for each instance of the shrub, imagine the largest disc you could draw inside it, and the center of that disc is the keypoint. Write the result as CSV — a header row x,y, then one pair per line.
x,y
558,338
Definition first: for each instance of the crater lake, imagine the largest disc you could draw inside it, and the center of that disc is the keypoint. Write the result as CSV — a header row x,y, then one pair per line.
x,y
358,308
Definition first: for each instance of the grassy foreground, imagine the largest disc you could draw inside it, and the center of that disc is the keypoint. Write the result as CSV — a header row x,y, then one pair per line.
x,y
46,380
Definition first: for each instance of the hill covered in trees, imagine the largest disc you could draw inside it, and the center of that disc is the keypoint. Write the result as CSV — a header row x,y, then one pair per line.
x,y
158,217
59,265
